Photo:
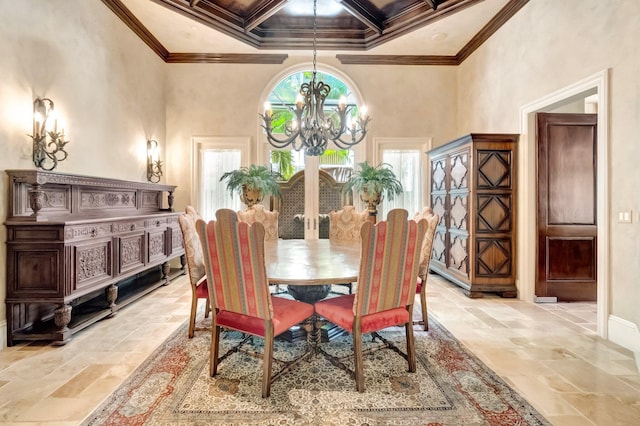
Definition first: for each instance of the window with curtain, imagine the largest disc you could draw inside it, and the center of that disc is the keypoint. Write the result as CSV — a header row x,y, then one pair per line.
x,y
213,193
406,165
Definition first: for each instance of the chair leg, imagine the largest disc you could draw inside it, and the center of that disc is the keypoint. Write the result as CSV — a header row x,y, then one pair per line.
x,y
411,347
207,308
267,361
423,305
214,349
357,351
192,317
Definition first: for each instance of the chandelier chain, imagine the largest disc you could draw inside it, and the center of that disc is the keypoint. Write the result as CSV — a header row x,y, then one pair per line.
x,y
315,31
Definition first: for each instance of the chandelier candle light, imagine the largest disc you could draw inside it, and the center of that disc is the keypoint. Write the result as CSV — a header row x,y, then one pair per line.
x,y
311,129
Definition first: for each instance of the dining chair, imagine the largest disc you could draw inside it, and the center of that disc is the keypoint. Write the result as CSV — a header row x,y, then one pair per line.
x,y
344,225
195,264
425,257
269,219
237,277
385,291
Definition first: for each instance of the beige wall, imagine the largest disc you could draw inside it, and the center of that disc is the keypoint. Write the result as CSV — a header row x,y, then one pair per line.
x,y
224,100
107,85
550,45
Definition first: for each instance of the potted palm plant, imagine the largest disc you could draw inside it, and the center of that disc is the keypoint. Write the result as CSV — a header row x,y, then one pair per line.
x,y
252,183
373,183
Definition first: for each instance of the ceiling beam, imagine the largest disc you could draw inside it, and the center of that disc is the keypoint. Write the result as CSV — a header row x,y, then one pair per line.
x,y
492,26
137,27
432,4
364,13
263,12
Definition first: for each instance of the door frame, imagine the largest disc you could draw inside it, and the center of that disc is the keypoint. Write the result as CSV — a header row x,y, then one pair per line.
x,y
598,85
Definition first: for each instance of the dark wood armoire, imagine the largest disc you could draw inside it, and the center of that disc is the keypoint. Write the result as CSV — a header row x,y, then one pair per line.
x,y
473,189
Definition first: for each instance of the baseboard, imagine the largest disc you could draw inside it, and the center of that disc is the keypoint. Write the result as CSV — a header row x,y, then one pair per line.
x,y
3,334
626,334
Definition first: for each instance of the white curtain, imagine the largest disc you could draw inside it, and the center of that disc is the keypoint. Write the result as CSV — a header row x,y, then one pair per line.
x,y
214,194
406,165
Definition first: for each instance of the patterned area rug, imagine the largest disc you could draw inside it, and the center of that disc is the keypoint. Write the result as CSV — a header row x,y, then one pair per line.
x,y
451,387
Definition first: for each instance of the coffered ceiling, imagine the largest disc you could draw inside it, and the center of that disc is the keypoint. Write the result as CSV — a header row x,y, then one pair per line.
x,y
414,32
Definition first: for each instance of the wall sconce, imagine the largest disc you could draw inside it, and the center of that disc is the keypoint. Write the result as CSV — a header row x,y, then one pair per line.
x,y
48,143
154,165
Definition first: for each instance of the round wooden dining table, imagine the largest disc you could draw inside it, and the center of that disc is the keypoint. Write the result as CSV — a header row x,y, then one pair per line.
x,y
309,268
312,262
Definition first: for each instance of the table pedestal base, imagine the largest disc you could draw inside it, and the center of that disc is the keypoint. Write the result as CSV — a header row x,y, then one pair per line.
x,y
309,293
328,332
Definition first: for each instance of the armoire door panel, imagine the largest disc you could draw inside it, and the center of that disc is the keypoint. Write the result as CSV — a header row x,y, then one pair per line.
x,y
439,249
459,211
494,257
458,253
494,169
459,170
494,213
438,205
438,174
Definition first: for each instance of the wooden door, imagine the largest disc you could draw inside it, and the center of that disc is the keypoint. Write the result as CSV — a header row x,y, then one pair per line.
x,y
566,222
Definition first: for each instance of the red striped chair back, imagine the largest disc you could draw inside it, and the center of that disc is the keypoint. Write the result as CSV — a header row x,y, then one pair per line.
x,y
237,276
389,265
237,265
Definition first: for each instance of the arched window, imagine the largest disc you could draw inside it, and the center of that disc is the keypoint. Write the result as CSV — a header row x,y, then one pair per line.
x,y
282,101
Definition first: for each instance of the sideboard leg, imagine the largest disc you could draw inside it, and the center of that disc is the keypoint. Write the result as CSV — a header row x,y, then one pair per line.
x,y
166,269
183,263
62,318
111,294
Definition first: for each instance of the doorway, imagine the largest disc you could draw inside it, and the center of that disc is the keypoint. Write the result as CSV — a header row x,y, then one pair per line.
x,y
566,216
595,85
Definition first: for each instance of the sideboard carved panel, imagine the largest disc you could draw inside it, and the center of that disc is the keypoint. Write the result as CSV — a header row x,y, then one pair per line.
x,y
73,241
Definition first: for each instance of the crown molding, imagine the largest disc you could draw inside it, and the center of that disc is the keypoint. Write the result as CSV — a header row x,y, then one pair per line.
x,y
397,60
510,9
225,58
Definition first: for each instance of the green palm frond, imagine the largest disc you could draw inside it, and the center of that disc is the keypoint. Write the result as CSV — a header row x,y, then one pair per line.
x,y
371,180
254,177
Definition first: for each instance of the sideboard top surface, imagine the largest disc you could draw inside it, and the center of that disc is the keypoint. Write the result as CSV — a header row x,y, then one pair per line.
x,y
45,196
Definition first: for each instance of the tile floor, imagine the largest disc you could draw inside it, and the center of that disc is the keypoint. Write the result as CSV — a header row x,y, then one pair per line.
x,y
549,353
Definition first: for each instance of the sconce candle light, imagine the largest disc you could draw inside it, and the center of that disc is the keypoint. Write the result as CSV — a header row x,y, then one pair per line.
x,y
154,165
48,143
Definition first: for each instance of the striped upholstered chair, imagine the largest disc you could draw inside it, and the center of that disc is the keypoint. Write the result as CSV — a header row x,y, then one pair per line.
x,y
425,256
195,264
237,277
385,291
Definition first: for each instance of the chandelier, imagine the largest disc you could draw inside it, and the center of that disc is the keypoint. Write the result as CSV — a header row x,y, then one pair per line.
x,y
311,129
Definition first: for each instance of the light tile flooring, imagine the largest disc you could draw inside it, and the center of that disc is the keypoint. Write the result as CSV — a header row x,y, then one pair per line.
x,y
549,353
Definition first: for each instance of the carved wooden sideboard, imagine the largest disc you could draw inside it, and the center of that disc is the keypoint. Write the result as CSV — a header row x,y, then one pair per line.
x,y
79,248
473,189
